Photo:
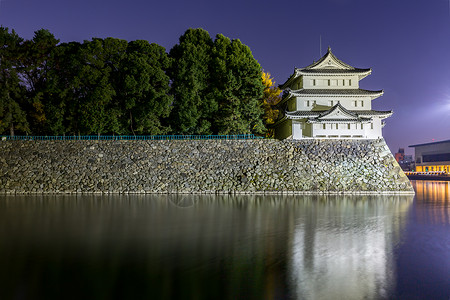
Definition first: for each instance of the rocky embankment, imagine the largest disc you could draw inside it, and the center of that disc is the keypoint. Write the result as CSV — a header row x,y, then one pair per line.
x,y
205,166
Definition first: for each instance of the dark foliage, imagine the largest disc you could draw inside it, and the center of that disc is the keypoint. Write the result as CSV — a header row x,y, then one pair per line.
x,y
111,86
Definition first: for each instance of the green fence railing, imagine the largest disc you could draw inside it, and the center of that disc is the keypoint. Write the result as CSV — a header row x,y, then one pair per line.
x,y
128,137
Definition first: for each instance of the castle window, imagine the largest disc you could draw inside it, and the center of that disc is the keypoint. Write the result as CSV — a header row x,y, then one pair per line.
x,y
371,125
324,126
355,103
362,103
349,82
348,126
329,82
362,126
307,103
343,82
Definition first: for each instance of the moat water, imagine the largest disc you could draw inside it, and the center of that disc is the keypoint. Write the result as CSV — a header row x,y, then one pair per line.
x,y
227,247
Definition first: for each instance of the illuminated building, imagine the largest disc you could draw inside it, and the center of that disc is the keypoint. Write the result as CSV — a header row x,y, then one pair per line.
x,y
432,157
324,101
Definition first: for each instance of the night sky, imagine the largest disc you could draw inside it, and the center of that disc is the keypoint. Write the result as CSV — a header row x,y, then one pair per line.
x,y
406,43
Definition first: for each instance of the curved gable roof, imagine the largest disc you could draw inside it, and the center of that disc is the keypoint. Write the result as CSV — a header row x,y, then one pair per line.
x,y
329,61
327,64
336,110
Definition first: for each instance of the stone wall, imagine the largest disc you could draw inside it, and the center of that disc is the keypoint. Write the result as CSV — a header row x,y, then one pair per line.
x,y
206,166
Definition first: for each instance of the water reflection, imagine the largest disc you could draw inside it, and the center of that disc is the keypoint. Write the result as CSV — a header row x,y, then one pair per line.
x,y
432,201
200,247
423,260
343,247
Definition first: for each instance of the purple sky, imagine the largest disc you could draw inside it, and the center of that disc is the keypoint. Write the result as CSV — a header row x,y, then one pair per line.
x,y
406,43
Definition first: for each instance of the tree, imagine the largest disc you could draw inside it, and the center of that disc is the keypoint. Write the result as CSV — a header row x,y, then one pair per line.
x,y
63,105
193,107
143,88
272,95
238,88
36,57
12,113
98,112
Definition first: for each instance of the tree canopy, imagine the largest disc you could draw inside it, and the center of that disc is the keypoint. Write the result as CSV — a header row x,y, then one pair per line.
x,y
237,87
114,86
12,107
190,73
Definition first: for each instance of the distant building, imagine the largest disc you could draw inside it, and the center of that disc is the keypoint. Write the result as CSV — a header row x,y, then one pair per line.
x,y
405,161
324,101
400,155
433,156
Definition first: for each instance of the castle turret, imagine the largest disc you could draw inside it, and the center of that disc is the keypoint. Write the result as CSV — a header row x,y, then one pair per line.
x,y
324,101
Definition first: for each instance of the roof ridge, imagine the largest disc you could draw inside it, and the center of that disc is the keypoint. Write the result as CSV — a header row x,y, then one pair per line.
x,y
327,55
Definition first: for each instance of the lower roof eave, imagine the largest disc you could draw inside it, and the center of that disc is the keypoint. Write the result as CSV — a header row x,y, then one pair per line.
x,y
343,121
283,100
277,123
381,116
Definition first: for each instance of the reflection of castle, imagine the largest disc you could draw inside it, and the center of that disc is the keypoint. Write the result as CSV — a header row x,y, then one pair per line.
x,y
343,248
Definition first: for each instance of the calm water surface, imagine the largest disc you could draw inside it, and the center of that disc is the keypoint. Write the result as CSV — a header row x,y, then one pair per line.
x,y
227,247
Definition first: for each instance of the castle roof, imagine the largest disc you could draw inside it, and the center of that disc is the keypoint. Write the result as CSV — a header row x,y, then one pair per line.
x,y
328,64
335,71
302,113
329,93
337,113
337,92
329,61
